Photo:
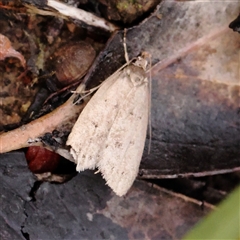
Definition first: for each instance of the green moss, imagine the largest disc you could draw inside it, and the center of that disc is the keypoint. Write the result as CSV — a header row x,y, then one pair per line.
x,y
139,6
123,5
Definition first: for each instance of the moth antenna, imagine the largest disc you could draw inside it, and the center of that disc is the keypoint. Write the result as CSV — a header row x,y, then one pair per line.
x,y
125,45
147,55
150,106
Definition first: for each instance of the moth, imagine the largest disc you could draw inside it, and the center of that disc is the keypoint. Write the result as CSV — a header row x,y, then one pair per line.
x,y
111,130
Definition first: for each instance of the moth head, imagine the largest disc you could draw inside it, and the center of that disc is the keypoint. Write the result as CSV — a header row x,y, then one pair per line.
x,y
143,61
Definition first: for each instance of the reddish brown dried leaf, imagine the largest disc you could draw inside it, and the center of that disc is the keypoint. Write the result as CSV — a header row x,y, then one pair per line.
x,y
6,50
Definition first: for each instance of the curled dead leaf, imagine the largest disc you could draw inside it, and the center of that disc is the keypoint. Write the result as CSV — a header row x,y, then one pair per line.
x,y
6,50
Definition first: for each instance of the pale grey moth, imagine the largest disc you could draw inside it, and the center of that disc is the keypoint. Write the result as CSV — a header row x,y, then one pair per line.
x,y
111,130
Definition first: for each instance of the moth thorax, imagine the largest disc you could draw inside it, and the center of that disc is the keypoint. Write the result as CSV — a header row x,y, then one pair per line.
x,y
137,76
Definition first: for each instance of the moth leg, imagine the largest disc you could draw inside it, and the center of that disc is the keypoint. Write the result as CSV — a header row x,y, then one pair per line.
x,y
125,45
84,93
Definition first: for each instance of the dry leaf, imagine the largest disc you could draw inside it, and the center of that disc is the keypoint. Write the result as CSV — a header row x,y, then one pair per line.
x,y
6,50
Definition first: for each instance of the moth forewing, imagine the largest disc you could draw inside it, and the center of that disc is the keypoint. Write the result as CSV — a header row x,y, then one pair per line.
x,y
89,132
124,145
111,130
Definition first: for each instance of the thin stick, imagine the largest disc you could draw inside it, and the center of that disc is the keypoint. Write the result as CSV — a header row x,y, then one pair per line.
x,y
82,15
25,135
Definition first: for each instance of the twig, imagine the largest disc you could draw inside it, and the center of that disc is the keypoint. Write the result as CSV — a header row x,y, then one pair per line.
x,y
26,135
81,15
